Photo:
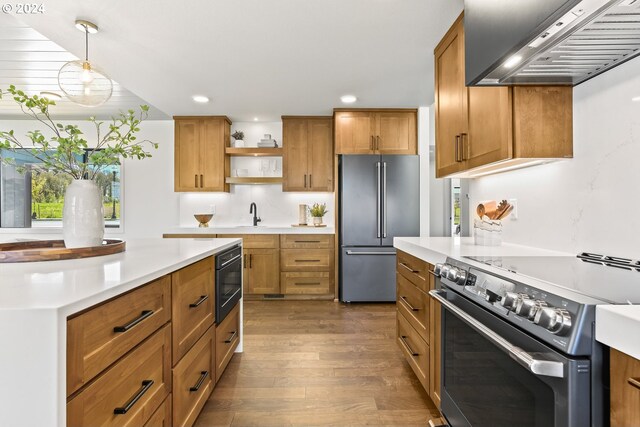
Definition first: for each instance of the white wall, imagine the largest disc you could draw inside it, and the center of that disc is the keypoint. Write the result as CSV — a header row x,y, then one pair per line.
x,y
424,132
589,203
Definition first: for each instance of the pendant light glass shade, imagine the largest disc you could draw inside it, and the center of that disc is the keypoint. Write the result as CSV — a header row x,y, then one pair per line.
x,y
81,82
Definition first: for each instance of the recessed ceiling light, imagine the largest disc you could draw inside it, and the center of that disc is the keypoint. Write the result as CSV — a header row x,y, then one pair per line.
x,y
87,26
513,61
348,99
636,99
52,96
200,98
255,119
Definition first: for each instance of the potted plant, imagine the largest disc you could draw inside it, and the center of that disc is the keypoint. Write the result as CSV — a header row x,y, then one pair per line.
x,y
66,151
317,212
239,137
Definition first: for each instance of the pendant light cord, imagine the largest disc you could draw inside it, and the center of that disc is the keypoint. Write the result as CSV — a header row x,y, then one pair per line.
x,y
86,43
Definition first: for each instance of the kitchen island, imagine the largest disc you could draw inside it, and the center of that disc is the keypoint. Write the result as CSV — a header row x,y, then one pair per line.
x,y
37,298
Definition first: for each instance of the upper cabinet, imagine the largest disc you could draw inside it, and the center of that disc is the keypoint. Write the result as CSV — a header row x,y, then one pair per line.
x,y
485,129
391,131
308,153
200,161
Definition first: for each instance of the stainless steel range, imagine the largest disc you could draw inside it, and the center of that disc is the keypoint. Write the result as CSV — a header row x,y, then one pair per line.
x,y
518,347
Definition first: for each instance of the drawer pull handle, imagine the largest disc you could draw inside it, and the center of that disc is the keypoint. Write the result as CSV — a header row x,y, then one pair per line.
x,y
406,344
409,268
134,322
432,273
202,299
203,375
307,260
634,382
306,241
232,337
307,283
412,308
146,385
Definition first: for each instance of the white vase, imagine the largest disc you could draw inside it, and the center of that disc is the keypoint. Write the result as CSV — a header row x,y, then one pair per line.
x,y
317,220
83,215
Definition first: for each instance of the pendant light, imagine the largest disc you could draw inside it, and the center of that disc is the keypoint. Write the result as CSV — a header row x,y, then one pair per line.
x,y
81,81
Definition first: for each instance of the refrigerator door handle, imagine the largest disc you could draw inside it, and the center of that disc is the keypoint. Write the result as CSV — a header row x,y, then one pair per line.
x,y
369,253
384,199
378,201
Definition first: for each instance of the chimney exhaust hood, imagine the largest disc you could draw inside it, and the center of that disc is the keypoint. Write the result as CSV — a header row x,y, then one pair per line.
x,y
554,42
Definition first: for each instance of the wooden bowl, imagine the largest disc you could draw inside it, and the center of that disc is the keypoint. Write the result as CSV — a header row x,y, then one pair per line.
x,y
203,219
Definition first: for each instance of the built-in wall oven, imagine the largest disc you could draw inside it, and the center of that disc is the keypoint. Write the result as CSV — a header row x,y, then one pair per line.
x,y
511,357
228,281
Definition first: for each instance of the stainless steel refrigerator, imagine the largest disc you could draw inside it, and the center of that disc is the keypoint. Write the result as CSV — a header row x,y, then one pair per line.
x,y
379,199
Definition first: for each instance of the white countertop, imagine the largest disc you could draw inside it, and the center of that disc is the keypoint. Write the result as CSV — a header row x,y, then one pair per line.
x,y
72,285
252,230
618,326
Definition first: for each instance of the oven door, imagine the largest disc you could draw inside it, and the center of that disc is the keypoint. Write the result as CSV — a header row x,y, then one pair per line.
x,y
228,286
494,375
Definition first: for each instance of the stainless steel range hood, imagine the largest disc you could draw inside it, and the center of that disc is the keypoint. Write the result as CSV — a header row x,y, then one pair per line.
x,y
547,41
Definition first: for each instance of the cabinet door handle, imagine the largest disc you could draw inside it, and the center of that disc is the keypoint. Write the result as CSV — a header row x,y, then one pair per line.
x,y
305,180
202,299
464,148
134,322
412,308
408,268
250,260
203,376
146,385
307,260
406,344
306,241
201,185
378,142
634,382
245,261
310,186
371,143
232,337
307,283
196,184
457,148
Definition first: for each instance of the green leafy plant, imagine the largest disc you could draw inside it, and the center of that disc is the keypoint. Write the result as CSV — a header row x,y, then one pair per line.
x,y
238,135
318,210
64,150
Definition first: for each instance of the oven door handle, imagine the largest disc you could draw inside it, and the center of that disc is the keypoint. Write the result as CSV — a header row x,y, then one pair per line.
x,y
547,368
226,263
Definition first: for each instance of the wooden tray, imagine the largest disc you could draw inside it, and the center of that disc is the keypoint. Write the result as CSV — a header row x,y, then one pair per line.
x,y
309,226
54,250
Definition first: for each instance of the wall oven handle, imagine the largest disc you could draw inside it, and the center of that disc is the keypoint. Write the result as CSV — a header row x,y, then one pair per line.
x,y
369,253
229,261
548,368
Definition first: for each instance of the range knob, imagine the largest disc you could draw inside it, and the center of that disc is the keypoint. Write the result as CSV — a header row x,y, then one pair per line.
x,y
437,270
528,308
457,275
556,320
509,300
444,270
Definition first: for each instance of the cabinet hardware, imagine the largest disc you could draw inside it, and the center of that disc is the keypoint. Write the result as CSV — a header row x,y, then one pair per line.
x,y
369,253
432,273
408,268
305,180
384,200
202,299
245,261
310,186
146,385
307,260
408,347
464,148
250,260
201,184
232,337
378,142
203,375
196,183
457,149
307,283
634,382
412,308
134,322
306,241
371,144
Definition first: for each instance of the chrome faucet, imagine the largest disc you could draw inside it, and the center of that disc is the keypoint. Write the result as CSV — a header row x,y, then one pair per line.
x,y
253,209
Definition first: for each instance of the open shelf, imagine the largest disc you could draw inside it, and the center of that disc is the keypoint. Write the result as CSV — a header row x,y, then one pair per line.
x,y
253,180
253,151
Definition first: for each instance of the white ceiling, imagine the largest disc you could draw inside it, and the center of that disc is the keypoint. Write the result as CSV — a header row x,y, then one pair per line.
x,y
260,58
31,62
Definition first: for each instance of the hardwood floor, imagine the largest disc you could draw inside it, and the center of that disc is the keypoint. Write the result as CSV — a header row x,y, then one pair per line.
x,y
311,363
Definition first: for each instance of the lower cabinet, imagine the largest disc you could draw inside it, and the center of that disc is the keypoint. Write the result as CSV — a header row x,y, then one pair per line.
x,y
162,416
306,283
227,339
193,380
261,271
625,390
418,321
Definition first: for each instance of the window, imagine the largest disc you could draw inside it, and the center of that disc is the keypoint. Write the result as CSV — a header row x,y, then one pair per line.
x,y
35,199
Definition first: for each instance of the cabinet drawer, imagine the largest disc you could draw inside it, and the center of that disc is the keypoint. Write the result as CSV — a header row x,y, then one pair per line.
x,y
414,305
193,304
306,283
625,390
256,241
92,341
193,380
414,269
129,392
306,241
415,349
162,417
306,260
227,339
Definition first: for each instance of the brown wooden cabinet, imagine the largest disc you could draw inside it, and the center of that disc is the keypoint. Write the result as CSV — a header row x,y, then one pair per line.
x,y
200,161
625,390
392,131
227,339
308,153
261,271
487,128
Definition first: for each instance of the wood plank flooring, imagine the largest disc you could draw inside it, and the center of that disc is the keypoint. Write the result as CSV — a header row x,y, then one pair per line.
x,y
308,363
